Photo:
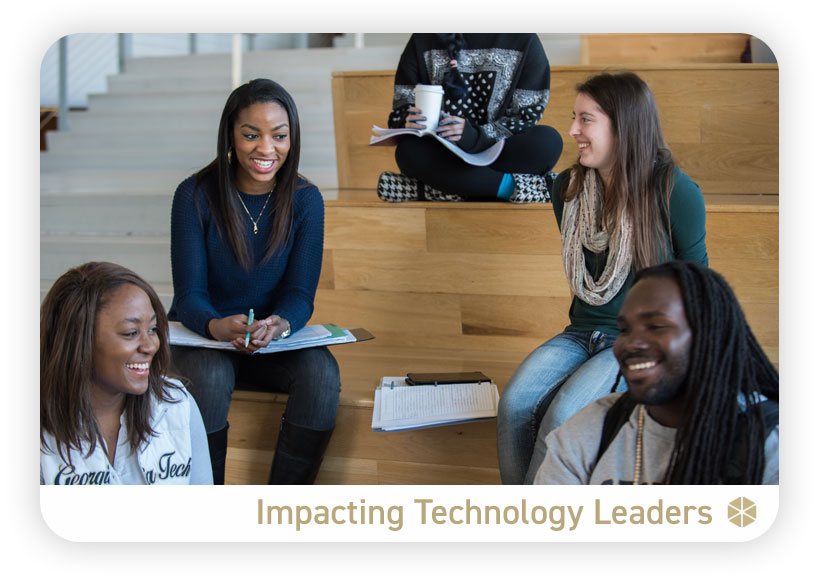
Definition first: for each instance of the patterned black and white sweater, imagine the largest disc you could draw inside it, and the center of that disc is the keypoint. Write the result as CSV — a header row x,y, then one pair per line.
x,y
507,77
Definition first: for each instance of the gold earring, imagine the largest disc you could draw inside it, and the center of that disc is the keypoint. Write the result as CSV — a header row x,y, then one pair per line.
x,y
230,155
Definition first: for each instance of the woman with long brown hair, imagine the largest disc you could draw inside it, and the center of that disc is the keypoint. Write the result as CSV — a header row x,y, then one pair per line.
x,y
108,414
624,205
247,232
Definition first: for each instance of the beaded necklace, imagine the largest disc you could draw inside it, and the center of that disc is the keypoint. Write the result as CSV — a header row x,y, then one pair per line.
x,y
639,445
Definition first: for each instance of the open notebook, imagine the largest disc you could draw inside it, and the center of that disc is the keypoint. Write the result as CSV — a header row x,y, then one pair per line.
x,y
482,158
309,336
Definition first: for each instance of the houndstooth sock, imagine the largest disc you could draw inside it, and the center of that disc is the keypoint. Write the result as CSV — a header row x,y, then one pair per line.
x,y
396,187
530,188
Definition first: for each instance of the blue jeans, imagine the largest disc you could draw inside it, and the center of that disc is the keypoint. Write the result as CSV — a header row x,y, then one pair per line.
x,y
554,382
310,377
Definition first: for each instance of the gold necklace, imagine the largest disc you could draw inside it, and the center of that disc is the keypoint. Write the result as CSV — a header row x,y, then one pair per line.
x,y
638,446
253,221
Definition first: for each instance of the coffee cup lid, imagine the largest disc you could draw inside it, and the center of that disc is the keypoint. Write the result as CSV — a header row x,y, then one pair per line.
x,y
431,88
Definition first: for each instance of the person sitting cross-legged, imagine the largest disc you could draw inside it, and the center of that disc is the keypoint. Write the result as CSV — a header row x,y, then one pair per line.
x,y
495,88
701,405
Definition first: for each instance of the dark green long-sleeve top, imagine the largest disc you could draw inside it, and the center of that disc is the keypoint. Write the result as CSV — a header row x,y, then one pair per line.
x,y
688,217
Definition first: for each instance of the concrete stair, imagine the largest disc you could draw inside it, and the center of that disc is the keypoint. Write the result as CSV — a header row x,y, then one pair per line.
x,y
106,183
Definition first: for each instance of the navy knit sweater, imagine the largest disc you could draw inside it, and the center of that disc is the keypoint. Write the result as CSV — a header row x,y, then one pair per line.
x,y
210,283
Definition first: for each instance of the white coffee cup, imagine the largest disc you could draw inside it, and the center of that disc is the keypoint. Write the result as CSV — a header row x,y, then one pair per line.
x,y
428,99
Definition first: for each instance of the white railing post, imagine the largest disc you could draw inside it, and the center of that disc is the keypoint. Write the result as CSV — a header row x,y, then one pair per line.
x,y
358,40
236,61
62,80
123,51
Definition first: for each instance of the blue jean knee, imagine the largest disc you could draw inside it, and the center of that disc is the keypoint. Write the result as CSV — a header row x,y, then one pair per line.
x,y
591,381
313,400
526,396
309,376
211,380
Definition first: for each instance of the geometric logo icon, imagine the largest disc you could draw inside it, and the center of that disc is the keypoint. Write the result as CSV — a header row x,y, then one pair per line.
x,y
742,512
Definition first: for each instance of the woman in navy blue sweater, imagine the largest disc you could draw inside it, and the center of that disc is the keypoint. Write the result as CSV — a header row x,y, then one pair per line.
x,y
247,232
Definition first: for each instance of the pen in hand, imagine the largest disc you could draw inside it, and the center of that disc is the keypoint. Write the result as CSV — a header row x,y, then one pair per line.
x,y
250,321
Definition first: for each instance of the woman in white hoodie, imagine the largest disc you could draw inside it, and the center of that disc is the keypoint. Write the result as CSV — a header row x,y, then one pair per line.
x,y
108,414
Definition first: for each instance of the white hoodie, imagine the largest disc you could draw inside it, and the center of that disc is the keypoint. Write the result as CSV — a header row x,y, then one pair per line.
x,y
164,459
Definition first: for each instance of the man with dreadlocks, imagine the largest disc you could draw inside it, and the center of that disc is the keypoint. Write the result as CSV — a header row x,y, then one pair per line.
x,y
701,405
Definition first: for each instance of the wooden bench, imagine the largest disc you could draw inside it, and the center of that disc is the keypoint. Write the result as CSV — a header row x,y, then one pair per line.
x,y
472,286
461,287
621,49
720,120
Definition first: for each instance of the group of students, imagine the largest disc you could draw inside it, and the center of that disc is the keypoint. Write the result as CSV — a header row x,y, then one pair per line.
x,y
657,378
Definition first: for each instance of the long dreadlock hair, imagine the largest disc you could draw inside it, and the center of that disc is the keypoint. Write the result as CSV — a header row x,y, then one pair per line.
x,y
728,371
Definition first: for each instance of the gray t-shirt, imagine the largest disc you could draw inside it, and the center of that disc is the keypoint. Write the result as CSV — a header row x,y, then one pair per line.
x,y
573,447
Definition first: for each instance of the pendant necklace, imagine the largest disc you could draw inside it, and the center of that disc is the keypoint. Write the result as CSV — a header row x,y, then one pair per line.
x,y
254,221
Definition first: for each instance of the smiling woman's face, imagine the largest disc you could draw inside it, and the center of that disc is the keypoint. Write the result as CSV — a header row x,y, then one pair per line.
x,y
261,141
126,338
593,131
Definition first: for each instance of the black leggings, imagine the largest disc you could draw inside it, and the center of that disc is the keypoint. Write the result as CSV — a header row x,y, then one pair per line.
x,y
534,150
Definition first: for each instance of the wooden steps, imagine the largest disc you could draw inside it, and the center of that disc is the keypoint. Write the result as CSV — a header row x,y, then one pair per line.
x,y
488,277
617,49
358,455
720,120
461,286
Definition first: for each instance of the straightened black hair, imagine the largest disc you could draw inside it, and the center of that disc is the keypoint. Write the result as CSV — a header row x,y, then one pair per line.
x,y
217,179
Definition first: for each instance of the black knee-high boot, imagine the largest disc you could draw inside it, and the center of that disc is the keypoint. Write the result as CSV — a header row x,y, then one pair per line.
x,y
218,449
299,454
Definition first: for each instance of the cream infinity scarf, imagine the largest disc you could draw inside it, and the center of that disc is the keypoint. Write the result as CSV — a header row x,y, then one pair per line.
x,y
579,230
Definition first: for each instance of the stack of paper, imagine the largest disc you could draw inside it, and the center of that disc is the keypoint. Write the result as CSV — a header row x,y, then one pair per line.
x,y
313,335
399,407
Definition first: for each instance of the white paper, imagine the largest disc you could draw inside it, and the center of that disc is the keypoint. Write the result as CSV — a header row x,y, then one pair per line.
x,y
482,158
397,406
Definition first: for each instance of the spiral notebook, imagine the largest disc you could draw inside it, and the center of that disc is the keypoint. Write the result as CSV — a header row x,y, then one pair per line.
x,y
398,406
